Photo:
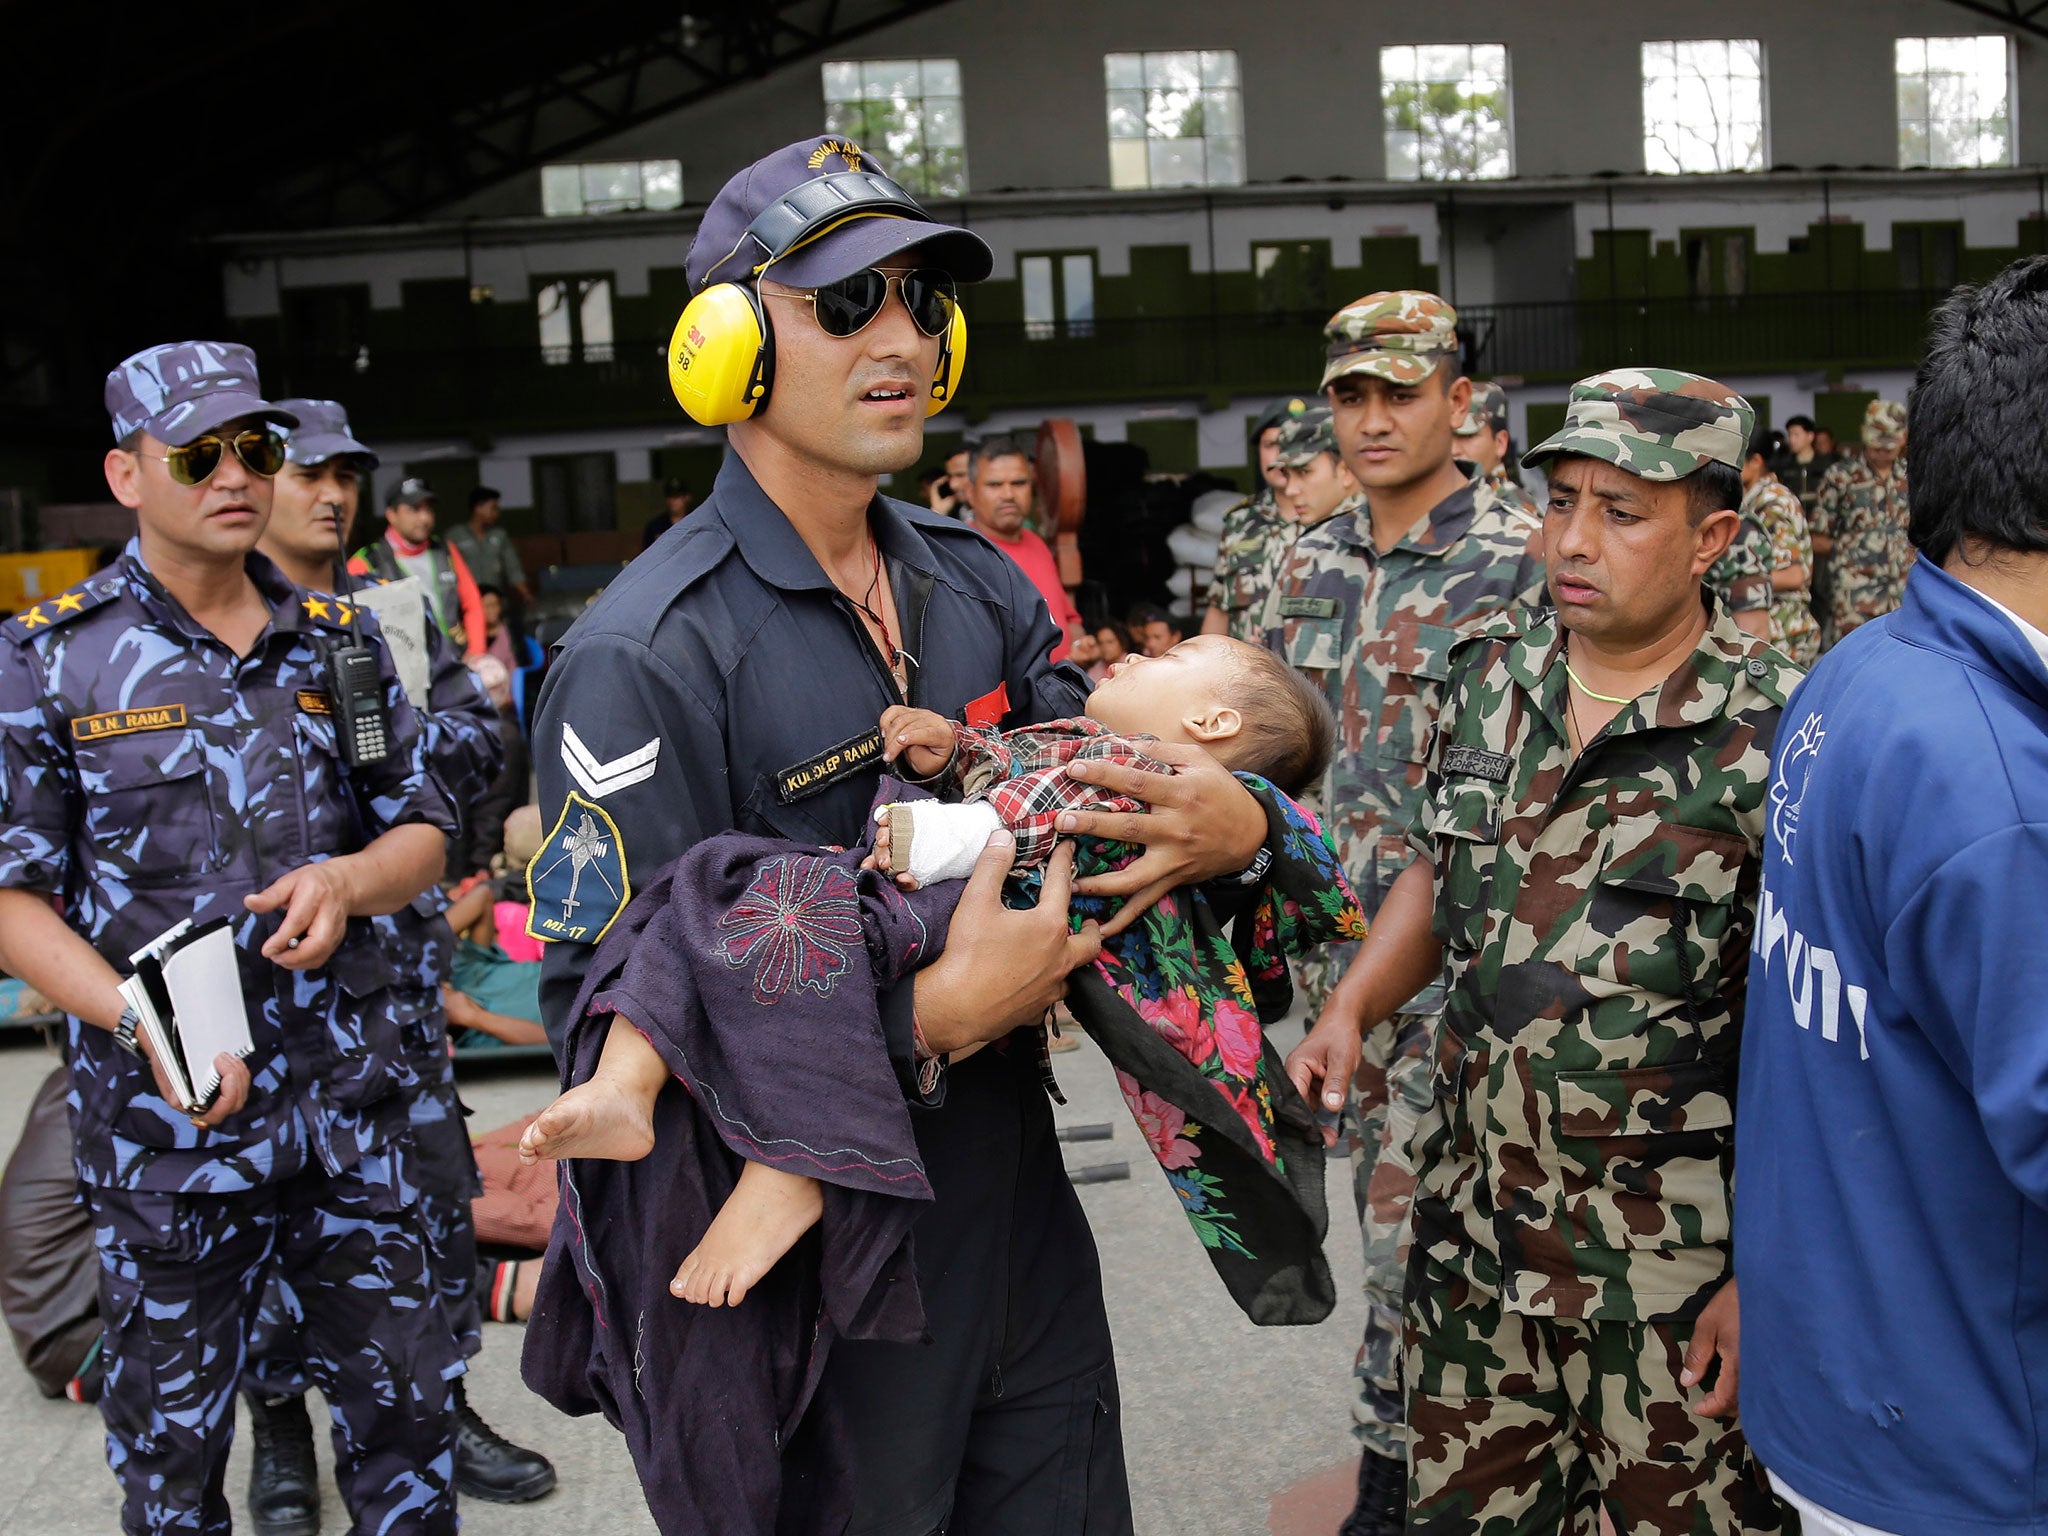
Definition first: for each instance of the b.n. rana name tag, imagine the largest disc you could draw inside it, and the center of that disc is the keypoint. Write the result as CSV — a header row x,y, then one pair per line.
x,y
1308,607
126,722
813,774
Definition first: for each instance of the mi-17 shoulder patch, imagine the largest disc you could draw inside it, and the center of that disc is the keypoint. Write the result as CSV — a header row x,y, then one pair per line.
x,y
577,884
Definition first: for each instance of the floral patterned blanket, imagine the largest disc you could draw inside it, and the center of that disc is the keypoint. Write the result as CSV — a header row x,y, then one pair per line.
x,y
1179,1006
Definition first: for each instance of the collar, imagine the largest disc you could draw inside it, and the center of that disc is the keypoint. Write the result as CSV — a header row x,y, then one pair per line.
x,y
1431,536
1948,616
277,591
404,546
1697,690
1753,497
776,552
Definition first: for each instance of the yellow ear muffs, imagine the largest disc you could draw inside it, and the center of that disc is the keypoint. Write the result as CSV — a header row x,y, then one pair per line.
x,y
952,362
721,356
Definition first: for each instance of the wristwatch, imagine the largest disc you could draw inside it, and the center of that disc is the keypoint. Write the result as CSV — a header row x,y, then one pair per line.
x,y
1252,873
124,1033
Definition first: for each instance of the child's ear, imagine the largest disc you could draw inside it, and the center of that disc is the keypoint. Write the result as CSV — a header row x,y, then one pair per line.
x,y
1219,723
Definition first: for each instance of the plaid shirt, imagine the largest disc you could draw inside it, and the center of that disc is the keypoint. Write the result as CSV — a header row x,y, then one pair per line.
x,y
1023,774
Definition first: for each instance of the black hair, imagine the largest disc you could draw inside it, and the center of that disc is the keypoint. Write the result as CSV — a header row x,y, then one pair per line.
x,y
1763,442
1800,421
1980,468
1151,613
485,589
1118,628
1711,488
988,448
482,494
131,442
1288,730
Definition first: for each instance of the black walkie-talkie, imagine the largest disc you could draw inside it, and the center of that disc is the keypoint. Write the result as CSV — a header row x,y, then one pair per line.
x,y
355,685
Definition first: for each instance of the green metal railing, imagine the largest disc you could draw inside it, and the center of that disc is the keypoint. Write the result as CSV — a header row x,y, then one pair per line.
x,y
492,391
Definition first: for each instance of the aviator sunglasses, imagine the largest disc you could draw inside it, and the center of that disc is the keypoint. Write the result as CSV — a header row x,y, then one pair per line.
x,y
260,449
849,306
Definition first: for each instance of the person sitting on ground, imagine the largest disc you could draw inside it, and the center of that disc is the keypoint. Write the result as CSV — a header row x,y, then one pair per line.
x,y
493,995
1235,700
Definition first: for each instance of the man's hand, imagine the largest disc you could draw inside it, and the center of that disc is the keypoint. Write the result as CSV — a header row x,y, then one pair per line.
x,y
1718,1332
1327,1057
1200,823
234,1085
316,899
922,738
1002,968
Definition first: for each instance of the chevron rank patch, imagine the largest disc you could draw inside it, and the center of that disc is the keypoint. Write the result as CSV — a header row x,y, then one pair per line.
x,y
577,884
599,779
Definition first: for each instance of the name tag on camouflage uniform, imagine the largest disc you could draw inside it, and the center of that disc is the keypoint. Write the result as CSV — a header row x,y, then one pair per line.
x,y
802,780
1308,607
125,722
1479,763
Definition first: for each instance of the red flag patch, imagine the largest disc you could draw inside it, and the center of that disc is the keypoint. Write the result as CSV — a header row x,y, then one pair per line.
x,y
986,712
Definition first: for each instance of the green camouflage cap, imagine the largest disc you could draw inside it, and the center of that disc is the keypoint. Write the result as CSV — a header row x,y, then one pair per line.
x,y
1488,411
1884,425
1399,337
1656,423
1303,437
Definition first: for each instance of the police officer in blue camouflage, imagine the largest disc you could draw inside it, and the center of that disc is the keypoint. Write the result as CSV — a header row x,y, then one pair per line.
x,y
170,752
313,504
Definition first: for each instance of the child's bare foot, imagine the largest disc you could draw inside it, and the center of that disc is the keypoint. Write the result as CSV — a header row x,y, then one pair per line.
x,y
611,1117
760,1221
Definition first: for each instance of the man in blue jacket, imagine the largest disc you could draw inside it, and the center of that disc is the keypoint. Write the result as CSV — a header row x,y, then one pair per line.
x,y
1891,1200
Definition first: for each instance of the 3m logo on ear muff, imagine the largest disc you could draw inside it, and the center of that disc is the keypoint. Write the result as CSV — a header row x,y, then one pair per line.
x,y
845,149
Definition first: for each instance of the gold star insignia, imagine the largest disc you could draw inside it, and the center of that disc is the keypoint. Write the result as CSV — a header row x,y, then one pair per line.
x,y
70,602
34,617
316,608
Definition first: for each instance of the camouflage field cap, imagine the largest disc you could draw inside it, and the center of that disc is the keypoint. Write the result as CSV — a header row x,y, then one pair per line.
x,y
1657,423
1488,411
184,389
1278,414
1884,425
1305,436
1399,337
322,433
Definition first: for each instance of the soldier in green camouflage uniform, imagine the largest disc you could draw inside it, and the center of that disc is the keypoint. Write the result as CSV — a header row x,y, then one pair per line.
x,y
1769,504
1369,612
1255,536
1483,440
1311,495
1585,882
1859,525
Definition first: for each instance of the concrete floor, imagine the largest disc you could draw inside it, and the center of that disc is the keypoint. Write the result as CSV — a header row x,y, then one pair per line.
x,y
1231,1430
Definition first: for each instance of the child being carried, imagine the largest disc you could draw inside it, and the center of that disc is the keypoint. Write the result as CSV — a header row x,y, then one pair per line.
x,y
1240,703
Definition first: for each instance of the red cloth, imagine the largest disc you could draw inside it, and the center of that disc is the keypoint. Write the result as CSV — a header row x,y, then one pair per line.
x,y
1023,774
1036,557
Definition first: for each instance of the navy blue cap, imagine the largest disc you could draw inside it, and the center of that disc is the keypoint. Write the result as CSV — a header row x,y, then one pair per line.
x,y
828,174
321,434
185,389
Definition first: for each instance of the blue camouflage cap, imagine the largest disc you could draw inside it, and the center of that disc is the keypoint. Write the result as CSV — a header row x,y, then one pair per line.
x,y
321,434
184,389
813,180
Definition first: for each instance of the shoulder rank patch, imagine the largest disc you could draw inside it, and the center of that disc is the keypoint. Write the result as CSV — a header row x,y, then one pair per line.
x,y
331,611
577,885
1308,607
1478,762
126,722
801,780
62,608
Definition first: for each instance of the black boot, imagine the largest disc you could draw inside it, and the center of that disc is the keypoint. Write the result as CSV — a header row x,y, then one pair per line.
x,y
492,1468
1382,1508
284,1481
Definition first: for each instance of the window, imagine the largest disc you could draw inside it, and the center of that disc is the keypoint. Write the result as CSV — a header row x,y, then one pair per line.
x,y
1292,278
575,320
1716,263
908,112
1175,120
1445,107
1954,101
1059,294
610,186
1703,106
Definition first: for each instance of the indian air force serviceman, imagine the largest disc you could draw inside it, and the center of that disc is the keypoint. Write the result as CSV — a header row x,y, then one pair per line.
x,y
170,751
1372,602
733,678
1587,853
313,505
